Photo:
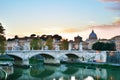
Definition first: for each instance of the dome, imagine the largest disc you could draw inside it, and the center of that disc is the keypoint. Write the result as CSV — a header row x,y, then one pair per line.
x,y
92,36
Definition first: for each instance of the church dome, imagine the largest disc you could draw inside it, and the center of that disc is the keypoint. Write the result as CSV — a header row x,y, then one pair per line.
x,y
92,36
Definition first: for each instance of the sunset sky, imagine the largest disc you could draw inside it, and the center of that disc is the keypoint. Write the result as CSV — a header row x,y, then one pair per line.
x,y
67,18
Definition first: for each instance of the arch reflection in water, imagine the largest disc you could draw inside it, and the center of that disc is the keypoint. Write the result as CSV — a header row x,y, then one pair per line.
x,y
62,72
66,72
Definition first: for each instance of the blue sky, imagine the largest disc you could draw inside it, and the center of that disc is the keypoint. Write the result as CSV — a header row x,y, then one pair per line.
x,y
65,17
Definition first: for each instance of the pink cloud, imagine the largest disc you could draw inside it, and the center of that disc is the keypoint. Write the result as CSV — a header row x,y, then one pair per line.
x,y
104,31
114,25
115,4
114,8
117,23
71,30
110,0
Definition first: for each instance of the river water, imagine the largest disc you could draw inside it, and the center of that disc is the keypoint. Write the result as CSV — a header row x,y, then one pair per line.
x,y
39,71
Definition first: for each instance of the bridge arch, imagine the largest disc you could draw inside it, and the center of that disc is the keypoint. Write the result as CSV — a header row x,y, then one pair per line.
x,y
15,57
47,56
71,55
44,55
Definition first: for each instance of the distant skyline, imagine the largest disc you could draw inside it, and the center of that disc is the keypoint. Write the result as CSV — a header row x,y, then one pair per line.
x,y
68,18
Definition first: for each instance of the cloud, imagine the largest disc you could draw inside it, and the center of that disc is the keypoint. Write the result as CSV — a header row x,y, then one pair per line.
x,y
106,31
75,29
71,30
115,4
114,8
110,0
114,25
117,21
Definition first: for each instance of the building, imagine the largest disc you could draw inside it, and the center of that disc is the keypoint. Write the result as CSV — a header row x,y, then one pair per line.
x,y
85,45
77,39
92,39
76,43
18,44
116,40
104,40
93,36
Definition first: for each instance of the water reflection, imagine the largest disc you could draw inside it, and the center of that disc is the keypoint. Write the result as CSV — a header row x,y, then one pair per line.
x,y
8,69
62,72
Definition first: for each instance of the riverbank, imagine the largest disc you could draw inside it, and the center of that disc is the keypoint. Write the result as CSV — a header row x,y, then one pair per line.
x,y
92,64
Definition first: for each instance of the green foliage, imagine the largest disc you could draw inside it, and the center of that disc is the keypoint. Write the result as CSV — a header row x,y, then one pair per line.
x,y
2,40
103,46
36,43
49,43
1,29
64,44
2,44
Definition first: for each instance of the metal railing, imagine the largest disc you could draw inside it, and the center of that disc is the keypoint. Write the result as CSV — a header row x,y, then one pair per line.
x,y
113,57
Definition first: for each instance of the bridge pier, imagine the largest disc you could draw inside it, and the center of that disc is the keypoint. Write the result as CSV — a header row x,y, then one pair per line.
x,y
25,62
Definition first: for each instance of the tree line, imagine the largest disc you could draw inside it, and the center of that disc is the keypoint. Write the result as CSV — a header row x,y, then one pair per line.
x,y
104,46
38,43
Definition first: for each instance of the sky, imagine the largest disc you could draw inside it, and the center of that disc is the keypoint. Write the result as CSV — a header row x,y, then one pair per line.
x,y
68,18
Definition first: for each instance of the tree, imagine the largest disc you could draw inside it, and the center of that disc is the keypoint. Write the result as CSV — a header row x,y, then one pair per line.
x,y
49,43
103,46
44,37
16,37
1,29
32,35
2,39
36,43
57,37
64,44
110,46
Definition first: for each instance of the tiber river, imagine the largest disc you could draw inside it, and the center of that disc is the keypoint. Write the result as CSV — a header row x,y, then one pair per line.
x,y
38,71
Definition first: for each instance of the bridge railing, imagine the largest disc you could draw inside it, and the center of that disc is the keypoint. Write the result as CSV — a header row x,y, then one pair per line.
x,y
28,51
113,57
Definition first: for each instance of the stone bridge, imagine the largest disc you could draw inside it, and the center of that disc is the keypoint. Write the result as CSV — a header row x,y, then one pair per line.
x,y
51,56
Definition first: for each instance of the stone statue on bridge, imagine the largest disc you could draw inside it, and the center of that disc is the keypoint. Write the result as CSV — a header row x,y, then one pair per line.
x,y
80,46
46,48
57,47
19,47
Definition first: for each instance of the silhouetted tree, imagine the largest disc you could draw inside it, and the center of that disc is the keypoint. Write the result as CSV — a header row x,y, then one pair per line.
x,y
1,29
57,37
16,37
2,39
32,35
44,37
103,46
